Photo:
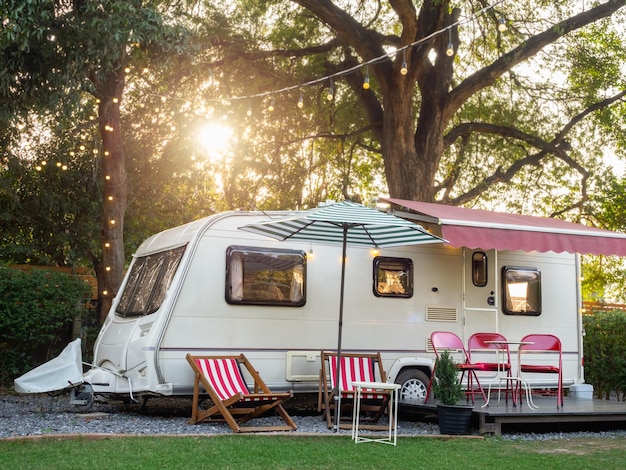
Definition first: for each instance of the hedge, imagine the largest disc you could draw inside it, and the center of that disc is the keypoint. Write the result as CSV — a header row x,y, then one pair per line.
x,y
605,352
37,312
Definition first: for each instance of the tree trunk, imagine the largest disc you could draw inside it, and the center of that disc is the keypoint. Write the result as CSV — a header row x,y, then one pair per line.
x,y
111,270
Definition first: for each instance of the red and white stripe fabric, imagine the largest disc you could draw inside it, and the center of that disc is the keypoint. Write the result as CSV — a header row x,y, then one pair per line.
x,y
226,379
224,376
353,369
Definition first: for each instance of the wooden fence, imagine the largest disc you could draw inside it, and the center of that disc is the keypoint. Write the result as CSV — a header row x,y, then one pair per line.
x,y
589,308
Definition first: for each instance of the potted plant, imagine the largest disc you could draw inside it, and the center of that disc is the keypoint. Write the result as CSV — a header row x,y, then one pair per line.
x,y
447,387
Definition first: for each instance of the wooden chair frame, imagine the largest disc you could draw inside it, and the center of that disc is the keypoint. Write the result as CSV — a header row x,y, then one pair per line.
x,y
373,404
245,406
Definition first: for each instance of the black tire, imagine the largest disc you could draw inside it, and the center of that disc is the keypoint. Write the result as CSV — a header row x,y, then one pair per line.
x,y
85,394
413,386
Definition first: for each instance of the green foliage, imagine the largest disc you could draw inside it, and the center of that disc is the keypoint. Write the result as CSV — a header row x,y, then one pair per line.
x,y
447,385
37,309
605,352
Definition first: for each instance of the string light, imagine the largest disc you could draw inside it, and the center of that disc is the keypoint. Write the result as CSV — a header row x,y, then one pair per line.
x,y
450,49
387,55
366,80
405,69
330,93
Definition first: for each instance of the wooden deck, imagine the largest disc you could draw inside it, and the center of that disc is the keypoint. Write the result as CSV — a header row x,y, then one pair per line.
x,y
576,411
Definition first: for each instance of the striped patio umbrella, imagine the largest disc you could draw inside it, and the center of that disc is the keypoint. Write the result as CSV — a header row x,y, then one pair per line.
x,y
347,223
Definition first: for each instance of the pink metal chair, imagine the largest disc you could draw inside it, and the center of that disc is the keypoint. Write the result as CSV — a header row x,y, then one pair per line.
x,y
547,345
480,343
446,340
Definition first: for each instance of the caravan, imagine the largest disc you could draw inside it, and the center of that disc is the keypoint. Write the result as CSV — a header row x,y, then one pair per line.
x,y
209,288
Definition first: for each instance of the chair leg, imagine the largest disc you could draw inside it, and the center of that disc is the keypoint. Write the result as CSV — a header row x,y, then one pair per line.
x,y
430,384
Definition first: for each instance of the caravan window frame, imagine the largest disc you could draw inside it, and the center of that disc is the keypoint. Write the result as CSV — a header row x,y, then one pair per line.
x,y
148,282
387,265
516,277
265,276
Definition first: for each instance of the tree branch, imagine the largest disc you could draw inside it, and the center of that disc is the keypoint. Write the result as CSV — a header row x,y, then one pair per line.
x,y
488,75
555,148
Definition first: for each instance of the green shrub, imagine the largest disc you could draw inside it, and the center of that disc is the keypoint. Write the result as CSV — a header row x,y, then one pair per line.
x,y
605,352
447,387
37,310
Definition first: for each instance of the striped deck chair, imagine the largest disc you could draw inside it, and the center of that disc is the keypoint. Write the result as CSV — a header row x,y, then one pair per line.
x,y
221,378
355,367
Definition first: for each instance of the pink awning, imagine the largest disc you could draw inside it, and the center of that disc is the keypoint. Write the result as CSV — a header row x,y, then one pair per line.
x,y
474,228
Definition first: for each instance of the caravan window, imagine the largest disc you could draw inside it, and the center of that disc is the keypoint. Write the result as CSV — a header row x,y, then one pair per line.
x,y
148,281
262,276
479,269
521,291
393,277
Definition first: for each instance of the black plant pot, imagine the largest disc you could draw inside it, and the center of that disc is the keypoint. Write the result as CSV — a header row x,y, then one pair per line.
x,y
454,419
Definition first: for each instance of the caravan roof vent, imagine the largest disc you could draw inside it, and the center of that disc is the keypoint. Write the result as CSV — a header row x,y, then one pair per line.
x,y
438,313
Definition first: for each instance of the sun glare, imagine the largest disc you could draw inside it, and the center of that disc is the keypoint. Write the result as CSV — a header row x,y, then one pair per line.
x,y
214,139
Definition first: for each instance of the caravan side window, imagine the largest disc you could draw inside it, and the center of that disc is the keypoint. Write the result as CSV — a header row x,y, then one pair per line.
x,y
148,281
263,276
521,291
393,277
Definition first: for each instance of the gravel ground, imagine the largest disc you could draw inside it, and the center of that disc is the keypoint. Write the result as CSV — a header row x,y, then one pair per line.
x,y
37,415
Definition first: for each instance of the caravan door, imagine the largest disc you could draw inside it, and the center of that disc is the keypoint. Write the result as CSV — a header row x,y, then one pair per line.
x,y
480,294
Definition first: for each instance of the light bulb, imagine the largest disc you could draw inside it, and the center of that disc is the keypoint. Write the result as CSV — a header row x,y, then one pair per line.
x,y
300,101
330,93
450,50
501,25
366,82
249,112
405,68
271,106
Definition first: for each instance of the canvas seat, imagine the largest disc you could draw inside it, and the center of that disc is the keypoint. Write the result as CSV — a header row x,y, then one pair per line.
x,y
446,340
355,367
543,355
232,401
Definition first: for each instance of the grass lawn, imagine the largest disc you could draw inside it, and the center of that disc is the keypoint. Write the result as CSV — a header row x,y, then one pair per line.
x,y
310,452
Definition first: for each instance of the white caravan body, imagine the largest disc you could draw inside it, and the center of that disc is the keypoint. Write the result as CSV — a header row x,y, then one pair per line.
x,y
145,355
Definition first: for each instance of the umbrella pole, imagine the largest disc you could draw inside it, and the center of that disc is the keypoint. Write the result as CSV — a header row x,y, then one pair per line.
x,y
340,329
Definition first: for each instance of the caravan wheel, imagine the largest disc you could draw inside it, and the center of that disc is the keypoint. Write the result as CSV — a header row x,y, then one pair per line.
x,y
82,398
413,386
